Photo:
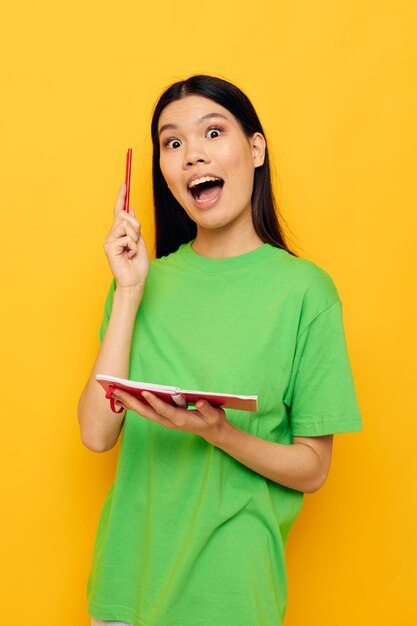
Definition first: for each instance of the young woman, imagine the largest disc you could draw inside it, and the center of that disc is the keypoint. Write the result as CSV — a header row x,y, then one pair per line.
x,y
193,531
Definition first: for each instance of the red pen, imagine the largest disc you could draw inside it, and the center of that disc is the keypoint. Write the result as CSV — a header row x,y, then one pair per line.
x,y
127,181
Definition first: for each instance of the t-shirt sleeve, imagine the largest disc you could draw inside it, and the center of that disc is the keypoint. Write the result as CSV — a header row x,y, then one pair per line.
x,y
107,310
321,395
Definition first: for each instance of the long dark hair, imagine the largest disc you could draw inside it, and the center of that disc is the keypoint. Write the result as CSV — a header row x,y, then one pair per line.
x,y
173,227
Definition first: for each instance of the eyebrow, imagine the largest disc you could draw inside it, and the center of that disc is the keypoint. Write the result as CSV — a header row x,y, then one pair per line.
x,y
205,117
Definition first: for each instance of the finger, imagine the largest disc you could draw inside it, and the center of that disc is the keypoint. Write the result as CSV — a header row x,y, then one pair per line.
x,y
133,232
180,400
123,221
126,229
142,408
120,200
119,245
210,413
175,414
129,218
119,231
132,251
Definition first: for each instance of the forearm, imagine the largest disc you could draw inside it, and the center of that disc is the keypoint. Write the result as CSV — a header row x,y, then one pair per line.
x,y
99,426
297,465
302,465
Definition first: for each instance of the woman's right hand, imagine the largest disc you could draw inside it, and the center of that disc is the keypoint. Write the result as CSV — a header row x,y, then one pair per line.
x,y
125,247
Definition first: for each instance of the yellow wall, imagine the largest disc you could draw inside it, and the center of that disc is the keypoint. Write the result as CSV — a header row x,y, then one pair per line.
x,y
334,84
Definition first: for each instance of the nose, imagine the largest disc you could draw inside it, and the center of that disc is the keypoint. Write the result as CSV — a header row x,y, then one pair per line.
x,y
195,153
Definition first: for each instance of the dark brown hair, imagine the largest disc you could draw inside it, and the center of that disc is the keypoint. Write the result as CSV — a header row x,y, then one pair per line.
x,y
173,227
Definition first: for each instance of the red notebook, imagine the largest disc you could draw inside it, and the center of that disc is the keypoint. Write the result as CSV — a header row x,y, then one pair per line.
x,y
166,393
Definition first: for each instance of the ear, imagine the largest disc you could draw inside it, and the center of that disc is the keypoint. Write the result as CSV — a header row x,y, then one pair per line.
x,y
258,145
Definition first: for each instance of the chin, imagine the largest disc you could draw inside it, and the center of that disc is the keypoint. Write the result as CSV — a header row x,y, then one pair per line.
x,y
213,222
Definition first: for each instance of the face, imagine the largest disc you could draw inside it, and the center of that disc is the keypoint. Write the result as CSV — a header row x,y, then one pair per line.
x,y
208,162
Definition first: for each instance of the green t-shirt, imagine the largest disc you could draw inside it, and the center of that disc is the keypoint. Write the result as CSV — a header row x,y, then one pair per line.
x,y
189,536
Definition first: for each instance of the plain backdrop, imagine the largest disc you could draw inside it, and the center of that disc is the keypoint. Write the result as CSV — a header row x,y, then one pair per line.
x,y
334,85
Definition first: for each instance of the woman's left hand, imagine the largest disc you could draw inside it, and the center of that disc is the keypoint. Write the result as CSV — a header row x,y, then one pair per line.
x,y
207,420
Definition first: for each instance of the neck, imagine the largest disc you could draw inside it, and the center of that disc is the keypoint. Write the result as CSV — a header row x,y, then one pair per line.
x,y
218,244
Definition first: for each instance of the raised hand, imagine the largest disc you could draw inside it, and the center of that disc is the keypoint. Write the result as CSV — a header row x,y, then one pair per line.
x,y
125,247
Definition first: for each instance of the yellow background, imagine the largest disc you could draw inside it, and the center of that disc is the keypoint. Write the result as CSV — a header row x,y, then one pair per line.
x,y
334,85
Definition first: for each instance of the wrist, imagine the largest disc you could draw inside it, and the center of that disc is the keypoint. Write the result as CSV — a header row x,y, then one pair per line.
x,y
128,296
222,434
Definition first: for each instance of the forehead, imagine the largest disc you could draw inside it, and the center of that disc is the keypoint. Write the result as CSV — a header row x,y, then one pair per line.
x,y
189,110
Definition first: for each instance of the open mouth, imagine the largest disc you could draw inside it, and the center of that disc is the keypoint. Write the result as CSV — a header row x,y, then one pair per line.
x,y
206,189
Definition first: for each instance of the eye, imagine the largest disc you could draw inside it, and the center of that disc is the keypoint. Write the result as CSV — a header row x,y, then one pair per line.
x,y
213,133
172,143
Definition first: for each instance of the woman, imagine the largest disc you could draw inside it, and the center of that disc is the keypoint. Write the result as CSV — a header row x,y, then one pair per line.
x,y
193,530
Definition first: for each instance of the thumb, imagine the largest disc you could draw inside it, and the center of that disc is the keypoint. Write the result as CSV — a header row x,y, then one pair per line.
x,y
210,414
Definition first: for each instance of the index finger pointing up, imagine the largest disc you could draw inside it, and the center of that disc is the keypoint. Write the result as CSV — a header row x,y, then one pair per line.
x,y
120,202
